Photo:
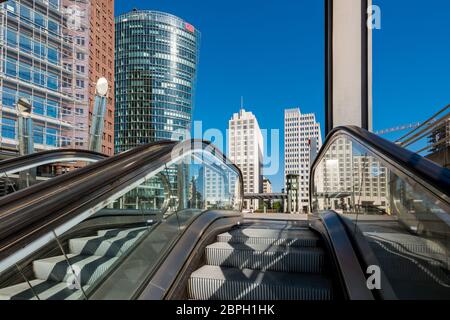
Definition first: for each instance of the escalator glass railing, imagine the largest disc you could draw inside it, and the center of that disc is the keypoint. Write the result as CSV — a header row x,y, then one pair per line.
x,y
400,221
22,172
109,249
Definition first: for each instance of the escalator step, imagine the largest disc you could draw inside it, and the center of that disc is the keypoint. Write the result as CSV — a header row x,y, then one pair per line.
x,y
266,257
213,282
104,246
119,232
45,290
89,268
297,238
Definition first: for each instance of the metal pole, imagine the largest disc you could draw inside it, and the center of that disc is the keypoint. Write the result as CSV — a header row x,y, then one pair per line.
x,y
98,116
25,140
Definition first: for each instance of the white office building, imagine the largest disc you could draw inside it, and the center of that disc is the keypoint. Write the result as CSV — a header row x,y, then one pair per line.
x,y
302,141
245,149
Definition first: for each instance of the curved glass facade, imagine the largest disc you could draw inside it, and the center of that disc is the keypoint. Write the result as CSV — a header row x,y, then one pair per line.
x,y
155,69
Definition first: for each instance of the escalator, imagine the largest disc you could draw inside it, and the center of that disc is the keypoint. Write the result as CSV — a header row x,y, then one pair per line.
x,y
164,221
21,172
264,261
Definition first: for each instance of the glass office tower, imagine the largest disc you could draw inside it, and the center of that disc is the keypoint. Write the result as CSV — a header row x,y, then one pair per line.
x,y
155,70
37,62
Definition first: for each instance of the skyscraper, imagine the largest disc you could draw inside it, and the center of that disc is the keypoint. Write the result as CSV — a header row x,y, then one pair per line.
x,y
35,53
245,146
301,134
155,70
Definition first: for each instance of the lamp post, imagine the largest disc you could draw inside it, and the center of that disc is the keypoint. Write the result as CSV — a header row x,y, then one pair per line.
x,y
26,145
98,116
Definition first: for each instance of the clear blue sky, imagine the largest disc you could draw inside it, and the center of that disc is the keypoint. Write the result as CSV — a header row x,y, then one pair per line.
x,y
272,53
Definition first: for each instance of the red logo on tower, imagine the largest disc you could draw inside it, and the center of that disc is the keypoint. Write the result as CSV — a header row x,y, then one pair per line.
x,y
190,27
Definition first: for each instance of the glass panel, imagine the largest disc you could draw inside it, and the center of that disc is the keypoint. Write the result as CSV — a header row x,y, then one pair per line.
x,y
24,72
39,106
403,225
8,128
25,13
51,137
12,38
11,68
38,134
39,19
25,43
53,55
9,98
53,26
52,109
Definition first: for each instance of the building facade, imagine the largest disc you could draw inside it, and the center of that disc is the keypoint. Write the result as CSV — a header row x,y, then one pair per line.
x,y
245,149
156,60
267,186
101,63
52,53
34,52
302,134
349,180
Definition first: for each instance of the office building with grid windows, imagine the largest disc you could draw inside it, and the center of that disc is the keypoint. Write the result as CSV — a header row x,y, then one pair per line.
x,y
246,147
155,75
302,141
35,51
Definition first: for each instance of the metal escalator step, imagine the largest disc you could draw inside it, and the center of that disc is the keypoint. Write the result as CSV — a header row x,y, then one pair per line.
x,y
103,245
213,282
45,290
297,238
90,268
111,233
266,257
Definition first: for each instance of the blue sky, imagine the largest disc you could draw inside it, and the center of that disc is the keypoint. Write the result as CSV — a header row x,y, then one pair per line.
x,y
272,53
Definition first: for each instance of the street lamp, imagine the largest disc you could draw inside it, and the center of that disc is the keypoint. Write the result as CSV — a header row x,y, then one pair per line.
x,y
25,140
98,115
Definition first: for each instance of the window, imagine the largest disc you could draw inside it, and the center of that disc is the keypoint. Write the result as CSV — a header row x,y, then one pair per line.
x,y
54,3
39,19
53,55
80,84
51,137
8,128
53,26
38,49
25,13
52,109
80,55
39,106
11,37
52,82
38,134
24,72
80,69
39,78
25,43
9,98
11,68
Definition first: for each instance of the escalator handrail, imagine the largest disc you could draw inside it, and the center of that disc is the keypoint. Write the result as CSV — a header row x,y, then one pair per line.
x,y
422,170
29,214
47,157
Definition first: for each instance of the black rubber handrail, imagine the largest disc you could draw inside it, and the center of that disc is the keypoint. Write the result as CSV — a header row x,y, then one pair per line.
x,y
33,212
47,157
422,169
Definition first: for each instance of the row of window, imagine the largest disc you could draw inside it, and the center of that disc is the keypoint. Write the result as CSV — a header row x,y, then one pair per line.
x,y
26,44
38,19
41,106
27,73
41,135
